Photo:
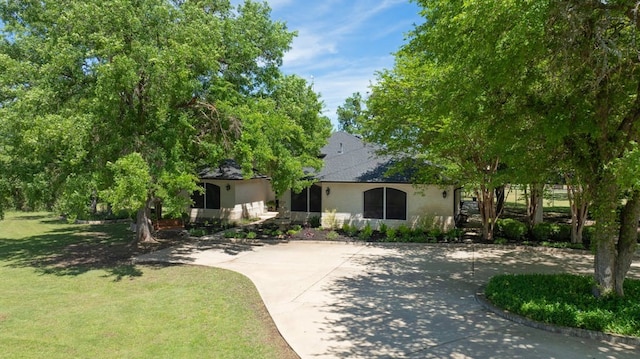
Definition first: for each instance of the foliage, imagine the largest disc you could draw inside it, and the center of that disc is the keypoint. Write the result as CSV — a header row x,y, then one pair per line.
x,y
366,232
383,228
131,180
567,300
315,221
511,229
351,114
168,87
392,235
197,232
404,232
332,235
251,235
551,232
454,234
330,220
500,240
350,230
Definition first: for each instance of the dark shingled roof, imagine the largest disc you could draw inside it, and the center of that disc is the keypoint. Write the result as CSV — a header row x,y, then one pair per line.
x,y
348,159
228,170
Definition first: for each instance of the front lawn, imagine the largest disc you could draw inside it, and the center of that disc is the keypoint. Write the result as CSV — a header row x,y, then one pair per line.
x,y
65,295
567,300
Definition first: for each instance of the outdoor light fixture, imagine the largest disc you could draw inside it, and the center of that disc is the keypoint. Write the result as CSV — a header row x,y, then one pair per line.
x,y
444,194
327,191
228,187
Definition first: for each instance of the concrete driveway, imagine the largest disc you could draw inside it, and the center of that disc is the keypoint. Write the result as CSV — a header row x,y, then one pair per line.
x,y
351,300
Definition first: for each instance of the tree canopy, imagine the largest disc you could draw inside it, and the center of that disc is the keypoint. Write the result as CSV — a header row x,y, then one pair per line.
x,y
98,96
351,114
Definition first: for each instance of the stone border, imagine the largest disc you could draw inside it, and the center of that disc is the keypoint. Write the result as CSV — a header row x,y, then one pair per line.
x,y
575,332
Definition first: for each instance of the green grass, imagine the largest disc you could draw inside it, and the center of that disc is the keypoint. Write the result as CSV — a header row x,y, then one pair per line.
x,y
567,300
53,307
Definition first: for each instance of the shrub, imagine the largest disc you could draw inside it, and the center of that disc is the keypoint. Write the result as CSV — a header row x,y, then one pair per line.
x,y
500,240
230,234
404,233
544,231
296,227
292,232
314,221
434,235
366,232
563,234
350,230
332,235
454,234
391,235
383,228
252,235
197,232
511,229
330,219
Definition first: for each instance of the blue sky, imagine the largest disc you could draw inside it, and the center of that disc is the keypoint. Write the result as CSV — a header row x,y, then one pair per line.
x,y
342,43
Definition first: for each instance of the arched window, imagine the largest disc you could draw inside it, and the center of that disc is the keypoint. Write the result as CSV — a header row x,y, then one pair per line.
x,y
209,199
385,203
308,200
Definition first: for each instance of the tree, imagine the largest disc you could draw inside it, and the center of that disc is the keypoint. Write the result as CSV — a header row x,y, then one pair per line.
x,y
560,71
592,77
455,93
142,92
351,114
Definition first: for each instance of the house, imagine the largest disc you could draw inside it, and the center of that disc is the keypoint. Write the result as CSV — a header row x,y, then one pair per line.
x,y
354,187
228,195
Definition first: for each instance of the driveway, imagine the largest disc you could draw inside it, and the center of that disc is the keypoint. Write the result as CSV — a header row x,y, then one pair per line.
x,y
351,300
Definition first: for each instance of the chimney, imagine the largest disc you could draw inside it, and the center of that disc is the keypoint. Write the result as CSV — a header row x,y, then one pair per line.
x,y
341,151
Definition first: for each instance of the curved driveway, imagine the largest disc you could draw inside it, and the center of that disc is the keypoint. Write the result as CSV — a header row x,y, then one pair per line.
x,y
351,300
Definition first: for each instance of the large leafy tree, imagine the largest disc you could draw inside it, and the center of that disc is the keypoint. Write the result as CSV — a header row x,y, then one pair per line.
x,y
537,85
593,75
455,94
126,99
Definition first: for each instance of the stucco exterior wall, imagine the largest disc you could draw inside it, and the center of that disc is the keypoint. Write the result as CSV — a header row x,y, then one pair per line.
x,y
426,205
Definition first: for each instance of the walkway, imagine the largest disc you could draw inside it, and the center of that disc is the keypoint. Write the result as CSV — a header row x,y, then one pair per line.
x,y
345,300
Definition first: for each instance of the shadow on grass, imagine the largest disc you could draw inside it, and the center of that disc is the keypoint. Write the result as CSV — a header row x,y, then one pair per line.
x,y
71,250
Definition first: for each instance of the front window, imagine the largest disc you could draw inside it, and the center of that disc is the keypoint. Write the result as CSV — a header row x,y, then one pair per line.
x,y
208,198
385,203
308,200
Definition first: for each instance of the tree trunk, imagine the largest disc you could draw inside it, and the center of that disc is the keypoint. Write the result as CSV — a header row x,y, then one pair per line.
x,y
487,211
144,226
628,240
604,210
500,194
579,207
534,204
94,202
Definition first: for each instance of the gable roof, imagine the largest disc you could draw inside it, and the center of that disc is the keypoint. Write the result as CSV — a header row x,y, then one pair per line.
x,y
349,159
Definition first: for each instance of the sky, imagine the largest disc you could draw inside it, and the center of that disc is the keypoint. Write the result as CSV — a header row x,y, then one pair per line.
x,y
342,43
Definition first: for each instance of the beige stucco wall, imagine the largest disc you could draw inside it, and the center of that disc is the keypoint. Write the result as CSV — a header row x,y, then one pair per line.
x,y
244,199
345,204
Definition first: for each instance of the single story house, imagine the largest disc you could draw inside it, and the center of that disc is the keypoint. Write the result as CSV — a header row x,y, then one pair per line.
x,y
354,187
